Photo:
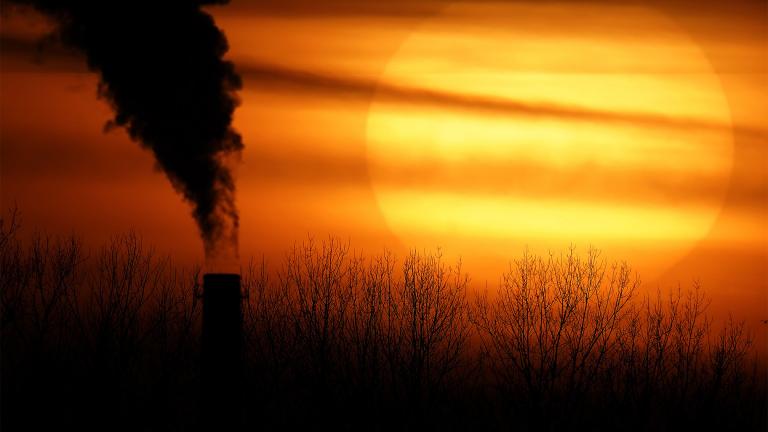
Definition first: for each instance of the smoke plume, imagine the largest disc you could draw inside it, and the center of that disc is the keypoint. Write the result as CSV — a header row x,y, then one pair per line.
x,y
161,69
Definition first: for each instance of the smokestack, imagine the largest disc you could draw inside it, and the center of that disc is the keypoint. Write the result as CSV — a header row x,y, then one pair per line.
x,y
222,352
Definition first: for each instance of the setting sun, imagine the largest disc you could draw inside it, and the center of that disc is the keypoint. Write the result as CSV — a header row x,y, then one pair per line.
x,y
474,180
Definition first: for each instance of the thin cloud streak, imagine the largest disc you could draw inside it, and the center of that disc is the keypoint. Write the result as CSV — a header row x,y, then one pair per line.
x,y
531,179
275,76
418,8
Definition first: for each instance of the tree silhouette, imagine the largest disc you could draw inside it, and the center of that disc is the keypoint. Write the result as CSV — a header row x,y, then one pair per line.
x,y
109,338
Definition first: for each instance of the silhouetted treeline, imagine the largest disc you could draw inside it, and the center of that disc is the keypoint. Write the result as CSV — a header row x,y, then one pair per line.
x,y
108,339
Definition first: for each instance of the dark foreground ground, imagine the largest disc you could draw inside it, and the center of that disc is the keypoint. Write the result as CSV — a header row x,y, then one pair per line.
x,y
109,340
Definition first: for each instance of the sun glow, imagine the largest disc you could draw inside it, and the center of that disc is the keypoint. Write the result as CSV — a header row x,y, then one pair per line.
x,y
498,181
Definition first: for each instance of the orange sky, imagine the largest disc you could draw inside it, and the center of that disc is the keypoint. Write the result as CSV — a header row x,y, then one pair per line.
x,y
481,127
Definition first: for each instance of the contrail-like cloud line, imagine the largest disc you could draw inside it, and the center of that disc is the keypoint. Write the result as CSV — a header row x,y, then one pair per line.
x,y
275,76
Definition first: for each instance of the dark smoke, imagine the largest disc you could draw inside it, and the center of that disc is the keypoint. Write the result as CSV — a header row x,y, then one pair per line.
x,y
161,69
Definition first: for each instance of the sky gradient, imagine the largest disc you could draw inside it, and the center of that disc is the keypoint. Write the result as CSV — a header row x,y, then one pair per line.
x,y
485,128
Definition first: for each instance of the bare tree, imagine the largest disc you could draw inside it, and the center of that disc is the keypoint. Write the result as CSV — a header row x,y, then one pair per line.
x,y
334,338
13,270
431,310
372,334
554,325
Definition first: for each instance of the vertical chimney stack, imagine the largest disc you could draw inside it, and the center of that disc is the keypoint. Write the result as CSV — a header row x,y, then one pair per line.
x,y
222,352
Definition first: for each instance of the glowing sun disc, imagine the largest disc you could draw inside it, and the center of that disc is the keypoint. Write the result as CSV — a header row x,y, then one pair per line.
x,y
486,184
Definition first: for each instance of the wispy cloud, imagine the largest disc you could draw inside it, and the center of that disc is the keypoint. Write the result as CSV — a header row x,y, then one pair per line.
x,y
279,77
510,178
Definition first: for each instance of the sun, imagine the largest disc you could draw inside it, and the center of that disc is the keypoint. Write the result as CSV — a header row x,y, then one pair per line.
x,y
487,184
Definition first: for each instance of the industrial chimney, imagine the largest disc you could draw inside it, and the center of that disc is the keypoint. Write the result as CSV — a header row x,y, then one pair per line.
x,y
222,352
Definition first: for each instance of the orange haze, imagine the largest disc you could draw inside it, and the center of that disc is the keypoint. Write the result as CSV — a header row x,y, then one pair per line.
x,y
483,128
